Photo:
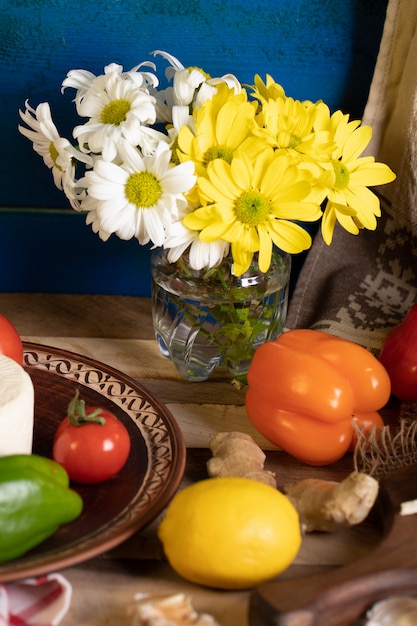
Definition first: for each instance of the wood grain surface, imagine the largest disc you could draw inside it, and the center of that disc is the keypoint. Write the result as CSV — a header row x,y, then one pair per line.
x,y
118,331
343,598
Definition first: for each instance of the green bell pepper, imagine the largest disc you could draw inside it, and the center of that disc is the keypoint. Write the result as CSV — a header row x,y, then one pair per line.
x,y
35,500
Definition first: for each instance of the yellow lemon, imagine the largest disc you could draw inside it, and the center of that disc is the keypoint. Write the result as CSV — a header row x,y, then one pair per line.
x,y
230,533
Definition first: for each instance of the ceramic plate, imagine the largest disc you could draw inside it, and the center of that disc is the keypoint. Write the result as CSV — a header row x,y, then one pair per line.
x,y
115,509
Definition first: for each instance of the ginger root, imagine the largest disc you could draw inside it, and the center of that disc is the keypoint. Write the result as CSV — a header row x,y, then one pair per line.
x,y
237,454
330,506
322,505
175,610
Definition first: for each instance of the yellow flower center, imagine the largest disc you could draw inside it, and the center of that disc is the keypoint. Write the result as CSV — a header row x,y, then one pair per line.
x,y
342,175
252,208
193,67
143,189
174,155
294,141
218,152
115,112
54,154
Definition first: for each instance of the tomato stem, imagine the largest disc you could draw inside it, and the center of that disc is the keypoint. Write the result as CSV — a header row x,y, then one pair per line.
x,y
77,415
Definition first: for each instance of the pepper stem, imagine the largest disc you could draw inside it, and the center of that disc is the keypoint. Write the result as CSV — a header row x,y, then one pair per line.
x,y
77,415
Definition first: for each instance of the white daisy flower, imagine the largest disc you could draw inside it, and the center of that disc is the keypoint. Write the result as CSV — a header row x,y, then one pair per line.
x,y
185,85
140,78
208,89
58,154
92,218
84,81
201,254
180,117
81,80
191,85
151,138
185,81
138,197
174,64
119,110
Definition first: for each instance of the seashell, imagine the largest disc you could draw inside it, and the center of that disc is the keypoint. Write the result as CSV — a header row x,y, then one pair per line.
x,y
174,610
395,611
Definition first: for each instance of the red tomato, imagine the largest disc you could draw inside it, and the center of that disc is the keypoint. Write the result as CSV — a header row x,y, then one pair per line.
x,y
10,342
91,452
399,357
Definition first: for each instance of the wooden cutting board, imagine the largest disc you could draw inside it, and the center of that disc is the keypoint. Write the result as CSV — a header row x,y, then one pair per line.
x,y
344,595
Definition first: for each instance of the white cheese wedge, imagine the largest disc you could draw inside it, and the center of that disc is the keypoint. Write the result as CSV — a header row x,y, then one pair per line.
x,y
17,400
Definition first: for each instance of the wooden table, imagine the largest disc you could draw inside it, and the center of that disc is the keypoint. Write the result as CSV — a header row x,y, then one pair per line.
x,y
118,331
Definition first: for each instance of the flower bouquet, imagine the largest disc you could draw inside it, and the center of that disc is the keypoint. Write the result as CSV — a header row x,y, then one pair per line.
x,y
219,178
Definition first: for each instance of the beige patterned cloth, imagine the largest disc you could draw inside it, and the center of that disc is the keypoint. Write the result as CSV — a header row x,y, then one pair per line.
x,y
361,286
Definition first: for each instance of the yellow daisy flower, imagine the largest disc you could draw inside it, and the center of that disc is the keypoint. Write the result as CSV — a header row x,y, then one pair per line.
x,y
348,176
288,125
270,89
222,125
252,205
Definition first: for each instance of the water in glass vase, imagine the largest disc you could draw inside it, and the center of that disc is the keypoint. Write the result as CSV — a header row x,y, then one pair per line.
x,y
204,319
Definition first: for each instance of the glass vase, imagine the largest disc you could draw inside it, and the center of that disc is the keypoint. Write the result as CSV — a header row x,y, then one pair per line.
x,y
204,319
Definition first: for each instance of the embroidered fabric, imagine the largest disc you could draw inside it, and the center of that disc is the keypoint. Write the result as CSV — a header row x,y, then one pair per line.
x,y
361,286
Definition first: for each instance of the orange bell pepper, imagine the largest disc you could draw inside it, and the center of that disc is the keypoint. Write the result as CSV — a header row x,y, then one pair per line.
x,y
307,387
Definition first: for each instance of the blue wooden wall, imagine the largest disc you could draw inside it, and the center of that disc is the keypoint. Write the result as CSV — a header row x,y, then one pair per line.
x,y
315,48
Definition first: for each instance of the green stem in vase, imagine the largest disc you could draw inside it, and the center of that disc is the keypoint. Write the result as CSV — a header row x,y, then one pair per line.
x,y
214,316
